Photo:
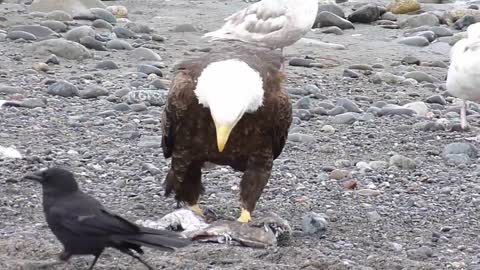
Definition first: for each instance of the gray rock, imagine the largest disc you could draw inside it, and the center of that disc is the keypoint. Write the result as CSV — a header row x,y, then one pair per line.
x,y
153,142
63,88
52,59
106,64
420,254
326,18
361,67
41,32
59,15
33,103
7,90
158,84
145,54
457,159
122,107
138,107
420,20
102,24
93,91
91,43
336,110
436,99
430,35
304,115
441,31
378,165
350,73
122,32
419,107
420,76
314,223
418,41
332,30
345,118
367,14
62,48
301,138
151,168
349,105
410,60
332,8
153,97
389,16
149,69
395,111
403,162
386,77
183,28
122,92
139,28
55,26
14,35
303,103
77,33
118,44
460,148
103,14
464,22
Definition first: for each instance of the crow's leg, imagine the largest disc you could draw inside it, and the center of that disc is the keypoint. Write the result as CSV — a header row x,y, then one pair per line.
x,y
95,260
253,182
129,252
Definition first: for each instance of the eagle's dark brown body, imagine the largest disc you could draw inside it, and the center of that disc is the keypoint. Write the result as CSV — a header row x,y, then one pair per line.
x,y
189,134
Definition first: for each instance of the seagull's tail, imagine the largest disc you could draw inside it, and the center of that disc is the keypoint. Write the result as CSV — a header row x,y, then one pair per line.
x,y
157,239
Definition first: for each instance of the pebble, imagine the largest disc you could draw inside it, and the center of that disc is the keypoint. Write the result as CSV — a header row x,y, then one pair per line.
x,y
145,54
122,32
386,77
103,14
328,129
350,73
349,105
158,84
118,11
102,24
186,27
436,99
118,44
152,97
335,9
304,115
314,223
52,59
91,43
55,26
345,118
459,153
418,41
149,69
7,90
122,107
420,254
373,216
153,142
441,31
429,35
59,15
337,110
301,138
332,30
33,103
378,165
367,13
93,91
42,67
60,47
325,18
63,88
149,167
122,92
79,32
418,106
38,31
14,35
424,19
389,16
368,192
339,174
410,60
403,162
106,64
138,107
139,28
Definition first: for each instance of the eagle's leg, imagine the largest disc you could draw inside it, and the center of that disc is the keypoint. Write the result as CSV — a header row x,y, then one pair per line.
x,y
253,182
185,179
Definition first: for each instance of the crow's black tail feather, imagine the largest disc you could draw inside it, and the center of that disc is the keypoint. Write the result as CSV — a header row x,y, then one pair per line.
x,y
157,239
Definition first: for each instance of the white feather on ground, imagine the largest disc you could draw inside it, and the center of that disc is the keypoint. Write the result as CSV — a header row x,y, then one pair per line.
x,y
463,79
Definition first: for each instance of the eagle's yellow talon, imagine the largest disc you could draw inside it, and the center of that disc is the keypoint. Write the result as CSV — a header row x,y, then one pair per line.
x,y
244,216
196,209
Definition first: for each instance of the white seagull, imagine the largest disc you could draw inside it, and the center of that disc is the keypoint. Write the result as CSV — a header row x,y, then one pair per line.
x,y
269,23
463,79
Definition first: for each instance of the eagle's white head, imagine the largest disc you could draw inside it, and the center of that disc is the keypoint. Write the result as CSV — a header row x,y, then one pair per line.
x,y
229,89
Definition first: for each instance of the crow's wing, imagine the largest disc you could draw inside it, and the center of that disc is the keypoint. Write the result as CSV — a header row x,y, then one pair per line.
x,y
86,216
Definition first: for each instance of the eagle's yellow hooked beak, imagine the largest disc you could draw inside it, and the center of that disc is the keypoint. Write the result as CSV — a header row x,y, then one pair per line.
x,y
223,132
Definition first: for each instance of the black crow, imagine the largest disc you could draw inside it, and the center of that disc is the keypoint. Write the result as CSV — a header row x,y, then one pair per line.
x,y
85,227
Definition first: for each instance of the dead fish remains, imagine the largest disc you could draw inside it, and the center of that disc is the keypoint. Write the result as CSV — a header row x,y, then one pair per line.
x,y
269,231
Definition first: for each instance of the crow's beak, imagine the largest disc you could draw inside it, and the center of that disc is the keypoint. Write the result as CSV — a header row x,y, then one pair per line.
x,y
37,176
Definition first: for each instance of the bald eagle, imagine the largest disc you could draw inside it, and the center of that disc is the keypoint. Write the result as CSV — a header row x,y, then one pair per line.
x,y
226,107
